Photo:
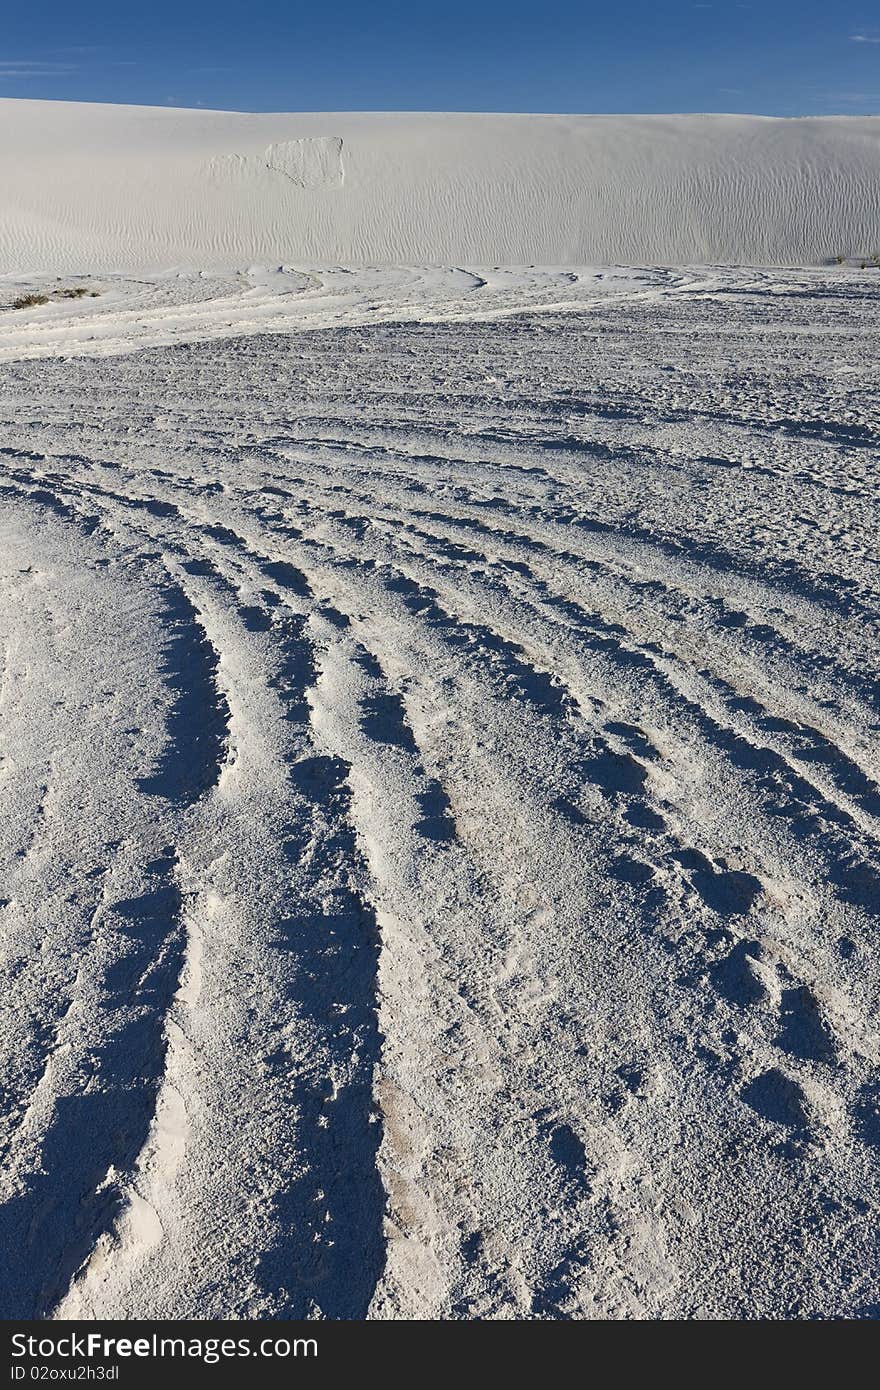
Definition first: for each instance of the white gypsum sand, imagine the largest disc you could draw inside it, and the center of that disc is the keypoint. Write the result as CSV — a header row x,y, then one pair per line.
x,y
439,761
120,188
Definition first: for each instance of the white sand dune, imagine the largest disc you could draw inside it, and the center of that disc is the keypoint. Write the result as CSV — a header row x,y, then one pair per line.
x,y
98,188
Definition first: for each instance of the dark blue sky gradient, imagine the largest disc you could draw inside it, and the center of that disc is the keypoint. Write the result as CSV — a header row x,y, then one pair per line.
x,y
781,58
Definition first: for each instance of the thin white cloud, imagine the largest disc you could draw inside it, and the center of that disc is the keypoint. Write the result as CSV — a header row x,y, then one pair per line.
x,y
22,67
864,38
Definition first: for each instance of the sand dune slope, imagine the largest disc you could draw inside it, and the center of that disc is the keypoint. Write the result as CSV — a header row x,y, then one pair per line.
x,y
97,188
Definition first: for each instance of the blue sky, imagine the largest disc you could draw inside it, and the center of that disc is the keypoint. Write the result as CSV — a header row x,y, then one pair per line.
x,y
781,57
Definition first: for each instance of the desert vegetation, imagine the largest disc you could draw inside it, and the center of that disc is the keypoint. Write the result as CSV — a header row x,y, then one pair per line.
x,y
37,297
28,301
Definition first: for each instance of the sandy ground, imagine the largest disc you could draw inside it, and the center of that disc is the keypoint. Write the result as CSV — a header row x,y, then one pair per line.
x,y
440,785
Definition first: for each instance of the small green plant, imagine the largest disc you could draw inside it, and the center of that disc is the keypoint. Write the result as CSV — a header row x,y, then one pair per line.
x,y
27,301
78,292
839,260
